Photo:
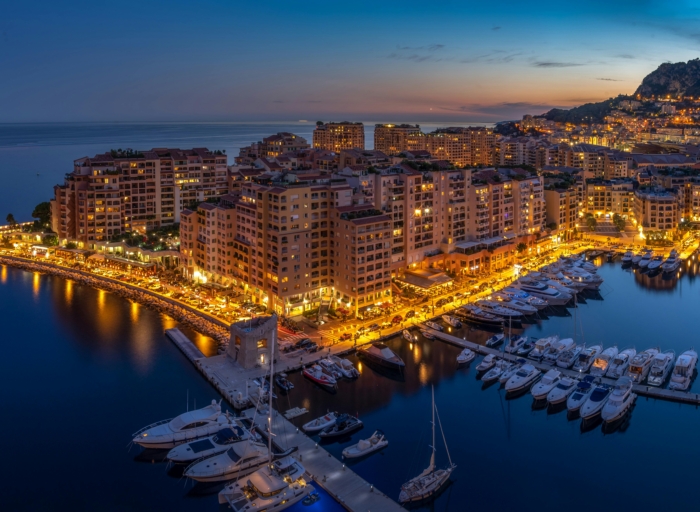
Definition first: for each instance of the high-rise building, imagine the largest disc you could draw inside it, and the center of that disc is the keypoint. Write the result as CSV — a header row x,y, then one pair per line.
x,y
338,136
272,147
393,139
462,146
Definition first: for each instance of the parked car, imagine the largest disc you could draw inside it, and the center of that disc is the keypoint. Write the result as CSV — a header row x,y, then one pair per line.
x,y
397,319
441,302
410,314
302,343
312,347
345,336
374,327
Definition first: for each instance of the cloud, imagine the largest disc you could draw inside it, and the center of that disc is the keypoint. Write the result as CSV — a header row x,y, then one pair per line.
x,y
417,53
430,47
609,79
496,28
500,110
555,64
625,56
495,56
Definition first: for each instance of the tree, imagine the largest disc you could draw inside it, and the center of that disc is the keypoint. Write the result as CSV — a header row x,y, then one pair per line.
x,y
319,123
71,245
591,221
50,240
521,247
619,222
42,212
552,226
11,219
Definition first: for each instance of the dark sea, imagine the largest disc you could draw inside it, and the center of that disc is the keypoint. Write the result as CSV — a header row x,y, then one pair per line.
x,y
82,369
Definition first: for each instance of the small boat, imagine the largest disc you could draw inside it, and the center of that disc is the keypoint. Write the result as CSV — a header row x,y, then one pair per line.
x,y
641,364
219,442
476,315
486,363
495,340
516,294
562,390
683,370
661,367
495,373
183,428
568,358
433,325
602,361
620,363
316,374
627,257
407,335
507,374
366,446
526,348
312,498
542,345
515,343
580,394
381,354
466,356
586,357
621,399
595,402
672,263
556,349
346,367
637,258
427,334
283,382
548,381
319,424
655,263
329,368
239,460
646,259
523,378
452,321
344,425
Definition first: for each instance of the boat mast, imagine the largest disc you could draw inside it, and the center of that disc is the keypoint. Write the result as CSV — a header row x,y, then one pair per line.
x,y
432,455
269,413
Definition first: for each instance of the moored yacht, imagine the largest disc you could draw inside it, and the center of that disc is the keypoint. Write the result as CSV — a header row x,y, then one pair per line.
x,y
496,308
515,293
553,296
602,361
514,344
320,423
595,401
509,372
655,263
641,364
561,391
620,363
586,357
661,367
621,399
627,257
495,373
466,356
569,356
486,363
219,442
542,345
382,355
239,460
450,320
346,367
548,381
637,258
495,340
407,335
316,374
433,325
672,262
646,259
476,315
683,371
517,305
523,378
580,394
556,349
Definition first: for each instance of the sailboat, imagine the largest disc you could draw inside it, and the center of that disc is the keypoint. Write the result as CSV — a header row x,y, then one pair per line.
x,y
428,484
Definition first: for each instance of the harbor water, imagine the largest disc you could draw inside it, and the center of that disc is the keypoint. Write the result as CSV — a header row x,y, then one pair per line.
x,y
83,369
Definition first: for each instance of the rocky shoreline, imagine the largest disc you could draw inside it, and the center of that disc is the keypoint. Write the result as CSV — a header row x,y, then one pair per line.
x,y
168,306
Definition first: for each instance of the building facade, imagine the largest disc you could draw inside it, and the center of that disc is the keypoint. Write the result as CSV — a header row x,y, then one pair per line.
x,y
338,136
393,139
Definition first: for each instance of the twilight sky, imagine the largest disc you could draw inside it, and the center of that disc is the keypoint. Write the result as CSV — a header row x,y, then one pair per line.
x,y
237,60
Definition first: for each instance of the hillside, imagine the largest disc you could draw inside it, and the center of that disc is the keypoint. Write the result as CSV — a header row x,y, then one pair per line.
x,y
587,113
680,78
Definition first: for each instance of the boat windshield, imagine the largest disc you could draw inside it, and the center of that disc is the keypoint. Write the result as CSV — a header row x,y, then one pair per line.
x,y
233,455
564,385
598,394
522,373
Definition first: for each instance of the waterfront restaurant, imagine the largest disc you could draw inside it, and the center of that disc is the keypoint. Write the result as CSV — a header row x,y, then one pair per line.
x,y
425,280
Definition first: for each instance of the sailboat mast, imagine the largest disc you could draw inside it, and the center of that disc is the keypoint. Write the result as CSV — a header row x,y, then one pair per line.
x,y
269,414
432,456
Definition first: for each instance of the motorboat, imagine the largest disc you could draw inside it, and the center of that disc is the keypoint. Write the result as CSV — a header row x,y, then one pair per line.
x,y
344,425
672,263
325,421
239,460
516,304
276,486
556,349
586,357
282,382
683,371
329,368
316,374
208,446
627,257
509,372
569,356
602,361
517,294
381,354
637,258
476,315
495,340
543,291
433,325
567,289
562,390
558,277
346,367
618,367
621,399
496,308
466,356
641,364
542,345
486,363
366,446
595,402
186,427
581,277
454,322
496,371
427,334
428,484
523,378
407,335
548,381
514,343
580,394
661,367
646,259
526,348
655,263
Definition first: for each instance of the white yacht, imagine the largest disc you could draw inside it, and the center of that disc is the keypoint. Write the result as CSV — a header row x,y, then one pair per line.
x,y
239,460
276,486
627,257
497,308
590,281
515,343
515,293
219,442
621,399
586,357
641,364
557,275
517,305
542,345
661,367
646,259
188,426
328,420
495,340
548,381
523,378
637,258
450,320
597,399
672,263
602,361
434,325
509,372
466,356
556,349
562,390
683,371
620,363
495,373
655,263
486,363
553,296
580,394
346,367
556,284
569,356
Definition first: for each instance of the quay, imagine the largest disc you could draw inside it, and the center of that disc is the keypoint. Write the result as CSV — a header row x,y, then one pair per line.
x,y
344,485
184,344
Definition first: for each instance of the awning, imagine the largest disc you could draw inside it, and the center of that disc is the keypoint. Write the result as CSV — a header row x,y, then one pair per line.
x,y
425,279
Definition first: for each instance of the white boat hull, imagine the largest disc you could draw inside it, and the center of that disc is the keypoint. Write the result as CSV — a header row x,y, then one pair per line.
x,y
610,414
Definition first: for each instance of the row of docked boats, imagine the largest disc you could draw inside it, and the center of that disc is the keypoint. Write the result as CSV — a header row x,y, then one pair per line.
x,y
326,372
647,260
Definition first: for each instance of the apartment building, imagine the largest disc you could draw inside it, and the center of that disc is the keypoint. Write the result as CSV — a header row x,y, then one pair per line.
x,y
124,191
362,157
393,139
656,209
462,146
609,197
522,151
563,209
271,147
338,136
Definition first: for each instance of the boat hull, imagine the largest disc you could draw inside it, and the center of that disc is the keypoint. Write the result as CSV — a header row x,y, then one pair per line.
x,y
380,361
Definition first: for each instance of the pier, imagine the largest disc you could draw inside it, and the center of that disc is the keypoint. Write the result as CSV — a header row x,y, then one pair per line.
x,y
184,344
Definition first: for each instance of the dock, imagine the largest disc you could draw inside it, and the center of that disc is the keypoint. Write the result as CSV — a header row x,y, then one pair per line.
x,y
344,485
184,344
